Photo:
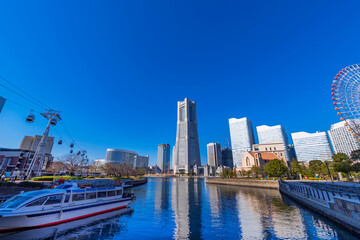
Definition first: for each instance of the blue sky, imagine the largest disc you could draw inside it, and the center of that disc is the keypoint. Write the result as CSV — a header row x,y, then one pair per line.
x,y
116,69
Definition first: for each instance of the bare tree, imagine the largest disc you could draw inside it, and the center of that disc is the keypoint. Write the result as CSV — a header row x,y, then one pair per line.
x,y
73,163
55,167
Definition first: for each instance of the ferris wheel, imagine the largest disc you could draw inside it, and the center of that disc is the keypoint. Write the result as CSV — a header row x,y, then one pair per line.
x,y
345,93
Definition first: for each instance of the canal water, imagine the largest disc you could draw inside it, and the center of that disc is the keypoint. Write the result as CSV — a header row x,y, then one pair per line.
x,y
186,208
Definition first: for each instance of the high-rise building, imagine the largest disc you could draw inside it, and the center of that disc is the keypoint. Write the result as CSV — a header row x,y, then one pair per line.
x,y
242,138
227,157
214,154
31,143
187,151
311,146
342,139
141,162
2,103
274,134
163,157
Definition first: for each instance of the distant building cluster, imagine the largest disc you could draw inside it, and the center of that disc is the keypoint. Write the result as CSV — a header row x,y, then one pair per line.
x,y
273,144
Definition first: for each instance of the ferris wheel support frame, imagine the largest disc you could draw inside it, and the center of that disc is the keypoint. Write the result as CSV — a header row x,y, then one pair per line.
x,y
39,155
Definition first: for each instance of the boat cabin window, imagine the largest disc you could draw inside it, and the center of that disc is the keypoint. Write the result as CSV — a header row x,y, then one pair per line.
x,y
78,197
90,195
37,202
101,194
16,201
67,198
111,193
64,186
56,199
118,192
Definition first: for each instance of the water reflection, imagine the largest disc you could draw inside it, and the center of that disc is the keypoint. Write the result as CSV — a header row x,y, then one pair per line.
x,y
97,227
186,200
187,208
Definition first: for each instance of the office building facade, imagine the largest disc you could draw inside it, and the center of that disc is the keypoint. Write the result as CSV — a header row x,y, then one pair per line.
x,y
187,150
141,162
311,146
342,140
274,134
2,103
163,157
227,158
214,154
242,138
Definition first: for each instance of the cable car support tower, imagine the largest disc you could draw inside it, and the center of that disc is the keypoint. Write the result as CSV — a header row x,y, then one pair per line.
x,y
36,163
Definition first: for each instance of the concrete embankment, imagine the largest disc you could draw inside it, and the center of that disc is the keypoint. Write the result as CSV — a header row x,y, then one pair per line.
x,y
245,183
140,181
336,202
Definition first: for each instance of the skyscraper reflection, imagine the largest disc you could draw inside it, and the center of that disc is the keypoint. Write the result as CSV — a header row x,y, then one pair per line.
x,y
186,194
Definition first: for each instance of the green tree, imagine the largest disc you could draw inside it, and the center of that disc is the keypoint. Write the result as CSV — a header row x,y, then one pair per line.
x,y
276,168
296,168
256,170
341,163
316,167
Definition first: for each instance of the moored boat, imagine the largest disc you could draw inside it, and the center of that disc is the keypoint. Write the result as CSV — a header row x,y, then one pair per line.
x,y
66,202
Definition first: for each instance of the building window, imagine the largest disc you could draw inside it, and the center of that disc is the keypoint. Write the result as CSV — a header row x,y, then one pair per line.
x,y
265,149
274,148
270,148
182,114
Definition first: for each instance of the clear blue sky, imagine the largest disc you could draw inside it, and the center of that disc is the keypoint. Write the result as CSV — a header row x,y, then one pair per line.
x,y
116,69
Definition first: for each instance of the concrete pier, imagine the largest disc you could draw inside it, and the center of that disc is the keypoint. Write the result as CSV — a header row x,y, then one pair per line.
x,y
273,184
338,202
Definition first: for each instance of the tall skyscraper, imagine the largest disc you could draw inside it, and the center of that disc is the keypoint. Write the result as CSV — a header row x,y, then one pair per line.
x,y
311,146
214,154
163,157
274,134
187,151
342,139
2,103
242,138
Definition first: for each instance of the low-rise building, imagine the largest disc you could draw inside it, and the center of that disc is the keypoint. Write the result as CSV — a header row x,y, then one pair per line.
x,y
276,148
258,159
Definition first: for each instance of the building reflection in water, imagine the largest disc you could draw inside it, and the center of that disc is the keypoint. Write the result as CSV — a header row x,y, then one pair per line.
x,y
186,200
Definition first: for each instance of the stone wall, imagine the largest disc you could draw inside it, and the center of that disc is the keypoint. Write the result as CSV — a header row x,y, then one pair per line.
x,y
245,183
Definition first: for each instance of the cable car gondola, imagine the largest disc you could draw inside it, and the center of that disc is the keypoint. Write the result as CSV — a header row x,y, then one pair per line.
x,y
60,141
72,145
30,118
53,122
71,151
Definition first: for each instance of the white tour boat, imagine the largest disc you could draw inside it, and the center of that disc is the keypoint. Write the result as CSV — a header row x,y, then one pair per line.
x,y
67,202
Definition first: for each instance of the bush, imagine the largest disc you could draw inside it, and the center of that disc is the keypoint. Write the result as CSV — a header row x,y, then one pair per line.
x,y
314,178
55,178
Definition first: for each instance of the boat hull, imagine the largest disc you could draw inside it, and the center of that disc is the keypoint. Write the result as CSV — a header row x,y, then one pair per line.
x,y
58,216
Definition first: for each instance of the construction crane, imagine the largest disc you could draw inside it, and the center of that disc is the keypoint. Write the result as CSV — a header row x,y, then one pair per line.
x,y
227,143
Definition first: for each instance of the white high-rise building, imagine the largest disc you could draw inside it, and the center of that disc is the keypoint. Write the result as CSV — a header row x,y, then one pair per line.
x,y
311,146
242,138
274,134
187,151
342,139
214,154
